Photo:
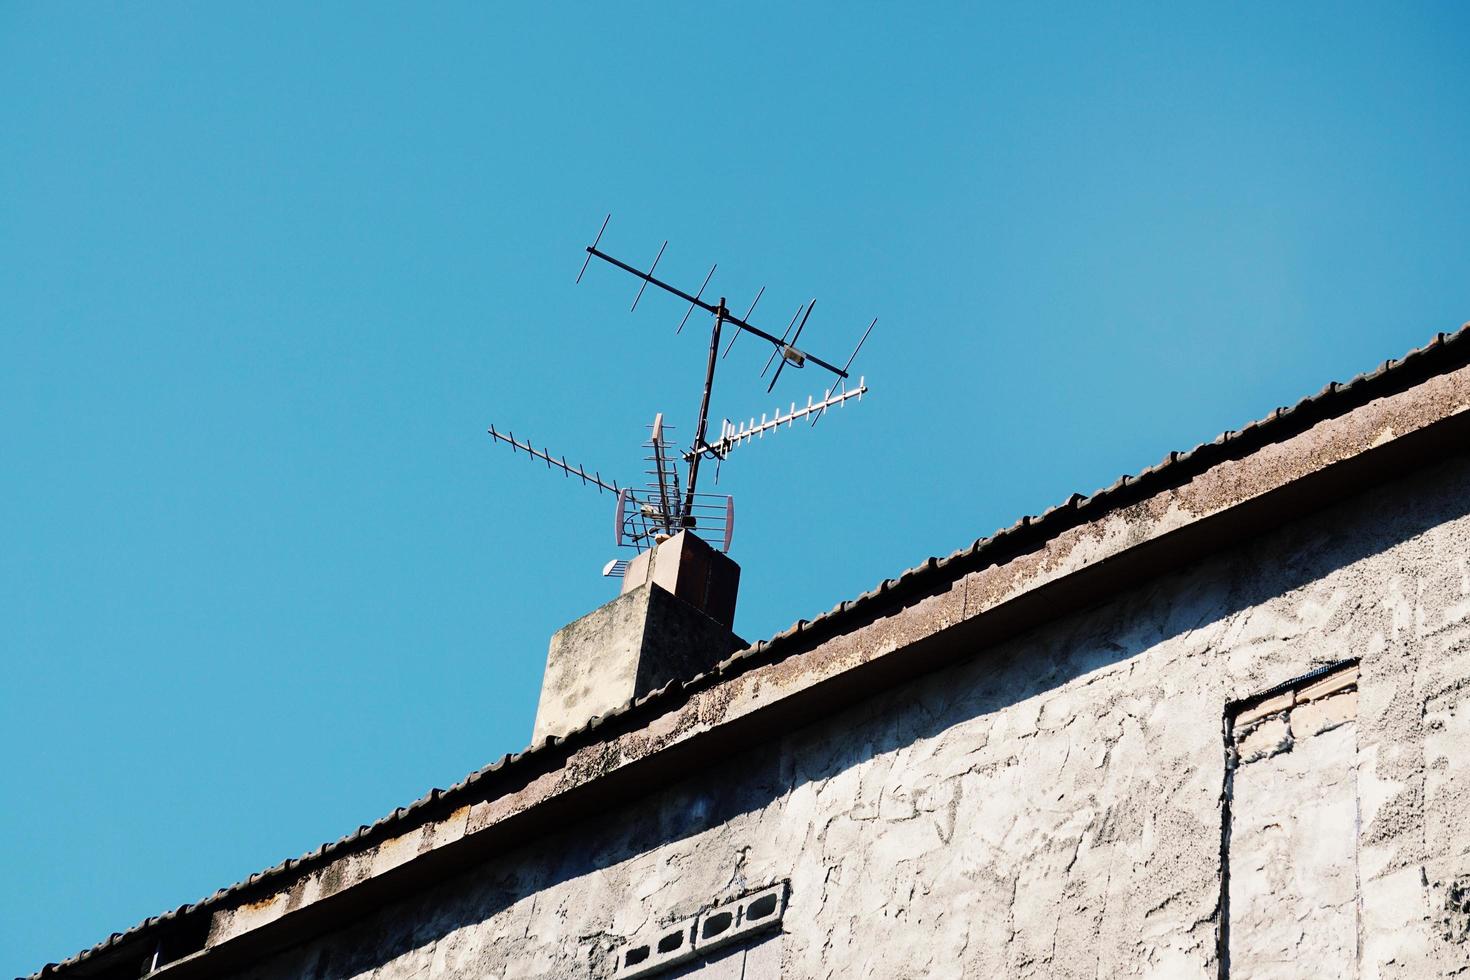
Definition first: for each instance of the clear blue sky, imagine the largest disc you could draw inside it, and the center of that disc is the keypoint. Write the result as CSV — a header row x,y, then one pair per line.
x,y
267,274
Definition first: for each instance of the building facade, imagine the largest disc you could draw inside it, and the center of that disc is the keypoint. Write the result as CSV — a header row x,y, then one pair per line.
x,y
1213,721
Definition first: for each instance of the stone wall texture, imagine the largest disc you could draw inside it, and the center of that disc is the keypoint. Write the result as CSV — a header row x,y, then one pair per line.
x,y
1053,806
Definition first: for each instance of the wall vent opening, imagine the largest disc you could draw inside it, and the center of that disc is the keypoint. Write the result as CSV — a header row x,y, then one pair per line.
x,y
715,924
708,932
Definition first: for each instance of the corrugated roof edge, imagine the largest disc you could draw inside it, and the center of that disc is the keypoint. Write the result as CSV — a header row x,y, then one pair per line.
x,y
1445,352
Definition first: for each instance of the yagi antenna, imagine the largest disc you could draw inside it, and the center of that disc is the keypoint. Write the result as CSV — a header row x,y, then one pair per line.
x,y
665,505
732,435
720,311
593,478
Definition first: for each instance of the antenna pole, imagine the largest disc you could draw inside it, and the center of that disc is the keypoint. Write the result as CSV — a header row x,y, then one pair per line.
x,y
709,382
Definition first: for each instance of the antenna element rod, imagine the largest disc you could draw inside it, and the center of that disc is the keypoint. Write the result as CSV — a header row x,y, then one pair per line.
x,y
649,278
594,245
696,296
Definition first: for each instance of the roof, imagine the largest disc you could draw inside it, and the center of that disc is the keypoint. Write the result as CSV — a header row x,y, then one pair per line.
x,y
1444,353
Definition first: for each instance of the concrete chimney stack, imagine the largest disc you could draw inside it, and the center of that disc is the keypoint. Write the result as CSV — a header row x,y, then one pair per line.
x,y
671,622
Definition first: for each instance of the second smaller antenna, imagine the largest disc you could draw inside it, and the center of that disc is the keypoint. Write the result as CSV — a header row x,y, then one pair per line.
x,y
732,435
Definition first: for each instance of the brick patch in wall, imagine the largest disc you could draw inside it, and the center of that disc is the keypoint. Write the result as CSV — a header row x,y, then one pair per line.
x,y
1275,723
1289,855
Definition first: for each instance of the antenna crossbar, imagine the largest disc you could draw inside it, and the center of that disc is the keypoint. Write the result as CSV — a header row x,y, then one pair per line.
x,y
649,278
568,469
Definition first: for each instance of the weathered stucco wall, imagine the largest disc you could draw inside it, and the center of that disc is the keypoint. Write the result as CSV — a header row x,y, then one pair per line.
x,y
1051,807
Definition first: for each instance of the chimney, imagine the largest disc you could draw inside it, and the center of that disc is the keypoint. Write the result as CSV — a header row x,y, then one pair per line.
x,y
671,622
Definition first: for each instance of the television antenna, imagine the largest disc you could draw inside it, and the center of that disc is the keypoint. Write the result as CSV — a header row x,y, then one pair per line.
x,y
663,506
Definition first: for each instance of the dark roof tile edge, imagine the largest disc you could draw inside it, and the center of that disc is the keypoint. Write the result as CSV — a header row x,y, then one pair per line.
x,y
1263,429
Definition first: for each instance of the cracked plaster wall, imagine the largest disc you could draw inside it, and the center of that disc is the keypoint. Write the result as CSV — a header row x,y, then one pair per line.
x,y
1049,808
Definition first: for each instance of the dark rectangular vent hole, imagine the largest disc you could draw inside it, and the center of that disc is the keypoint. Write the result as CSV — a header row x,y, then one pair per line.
x,y
671,942
715,924
760,908
635,956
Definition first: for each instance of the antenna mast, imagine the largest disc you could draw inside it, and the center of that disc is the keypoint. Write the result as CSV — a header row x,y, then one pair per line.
x,y
697,452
